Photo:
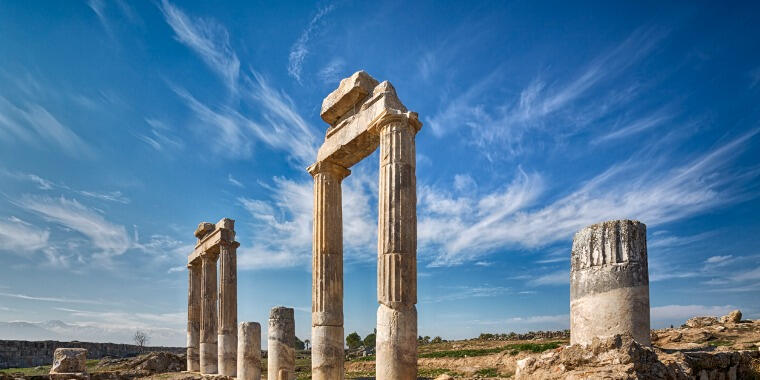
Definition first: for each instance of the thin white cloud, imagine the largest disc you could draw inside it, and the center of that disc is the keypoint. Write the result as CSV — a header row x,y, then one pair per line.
x,y
207,38
46,184
458,228
110,239
160,138
51,299
299,50
560,277
467,292
683,312
333,72
635,126
233,181
33,124
19,236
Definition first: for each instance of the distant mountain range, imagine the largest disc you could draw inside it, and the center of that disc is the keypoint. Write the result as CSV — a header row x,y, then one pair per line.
x,y
62,331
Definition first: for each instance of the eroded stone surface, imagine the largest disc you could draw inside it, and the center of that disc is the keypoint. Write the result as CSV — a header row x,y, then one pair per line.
x,y
609,282
349,93
281,354
249,351
69,360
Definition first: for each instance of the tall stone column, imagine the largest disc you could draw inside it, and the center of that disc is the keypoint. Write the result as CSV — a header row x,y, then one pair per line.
x,y
208,346
397,252
609,282
228,308
281,353
327,353
249,351
193,315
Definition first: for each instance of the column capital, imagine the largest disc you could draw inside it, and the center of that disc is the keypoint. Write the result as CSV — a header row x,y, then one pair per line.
x,y
328,167
386,118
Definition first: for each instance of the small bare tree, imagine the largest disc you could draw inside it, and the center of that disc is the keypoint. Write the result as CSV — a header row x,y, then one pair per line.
x,y
141,338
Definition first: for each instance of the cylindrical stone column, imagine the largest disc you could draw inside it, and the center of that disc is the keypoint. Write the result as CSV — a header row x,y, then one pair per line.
x,y
397,253
609,282
227,309
249,351
327,353
281,353
208,347
193,315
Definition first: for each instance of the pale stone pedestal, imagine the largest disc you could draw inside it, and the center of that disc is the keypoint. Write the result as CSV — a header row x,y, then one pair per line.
x,y
281,355
249,351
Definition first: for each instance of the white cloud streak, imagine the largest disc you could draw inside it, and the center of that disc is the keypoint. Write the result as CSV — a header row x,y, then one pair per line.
x,y
19,236
299,50
110,239
208,39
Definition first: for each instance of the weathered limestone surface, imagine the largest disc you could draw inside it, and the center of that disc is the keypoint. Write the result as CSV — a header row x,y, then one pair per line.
x,y
208,346
327,272
193,317
281,354
364,114
249,351
609,282
212,347
69,363
397,252
228,309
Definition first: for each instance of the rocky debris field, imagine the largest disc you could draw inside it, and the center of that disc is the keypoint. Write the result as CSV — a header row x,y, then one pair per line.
x,y
703,348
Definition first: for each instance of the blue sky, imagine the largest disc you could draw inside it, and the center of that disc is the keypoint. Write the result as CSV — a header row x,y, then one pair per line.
x,y
125,124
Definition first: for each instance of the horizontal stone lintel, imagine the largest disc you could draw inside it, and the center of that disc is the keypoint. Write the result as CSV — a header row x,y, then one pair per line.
x,y
211,243
358,136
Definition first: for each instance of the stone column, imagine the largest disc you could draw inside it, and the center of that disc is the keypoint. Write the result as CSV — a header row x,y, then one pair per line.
x,y
327,353
281,353
228,308
609,282
208,352
193,315
397,253
249,351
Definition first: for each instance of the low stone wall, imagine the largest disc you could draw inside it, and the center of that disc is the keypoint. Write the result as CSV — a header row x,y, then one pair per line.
x,y
21,353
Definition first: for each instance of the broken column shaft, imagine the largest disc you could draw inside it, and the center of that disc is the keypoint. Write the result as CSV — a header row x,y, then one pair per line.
x,y
609,282
249,351
281,354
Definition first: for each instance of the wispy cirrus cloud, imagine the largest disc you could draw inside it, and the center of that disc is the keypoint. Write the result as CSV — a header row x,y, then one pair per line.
x,y
108,238
33,124
46,184
160,138
52,299
333,72
17,236
459,227
300,49
546,103
207,38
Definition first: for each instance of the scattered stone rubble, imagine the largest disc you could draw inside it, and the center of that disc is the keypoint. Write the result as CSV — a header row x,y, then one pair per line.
x,y
68,364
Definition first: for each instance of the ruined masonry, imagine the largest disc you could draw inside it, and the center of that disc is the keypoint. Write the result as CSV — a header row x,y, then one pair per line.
x,y
249,351
281,354
364,114
609,282
69,364
208,352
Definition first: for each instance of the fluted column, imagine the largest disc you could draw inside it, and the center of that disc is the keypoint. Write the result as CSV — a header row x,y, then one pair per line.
x,y
228,309
193,315
208,346
327,273
397,252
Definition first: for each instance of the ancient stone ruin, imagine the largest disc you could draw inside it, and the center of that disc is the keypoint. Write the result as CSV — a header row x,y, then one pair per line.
x,y
609,282
364,114
208,352
281,354
68,364
249,351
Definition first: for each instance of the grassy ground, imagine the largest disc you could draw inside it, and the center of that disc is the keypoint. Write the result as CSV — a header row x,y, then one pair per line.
x,y
44,369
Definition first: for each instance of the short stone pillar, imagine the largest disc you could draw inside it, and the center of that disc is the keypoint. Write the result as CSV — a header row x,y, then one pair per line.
x,y
249,351
193,316
281,353
228,308
69,363
208,347
609,282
